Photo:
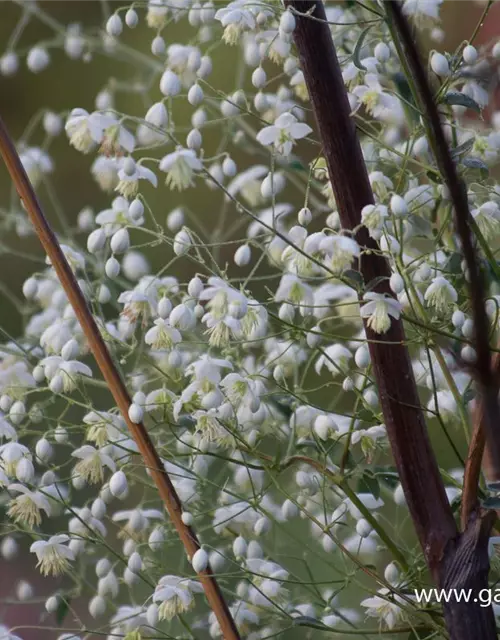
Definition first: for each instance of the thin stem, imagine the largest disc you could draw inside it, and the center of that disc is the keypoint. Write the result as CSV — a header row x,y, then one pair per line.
x,y
152,460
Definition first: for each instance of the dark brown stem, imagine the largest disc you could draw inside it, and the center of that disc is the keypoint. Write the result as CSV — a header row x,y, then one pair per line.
x,y
150,456
444,549
399,399
483,373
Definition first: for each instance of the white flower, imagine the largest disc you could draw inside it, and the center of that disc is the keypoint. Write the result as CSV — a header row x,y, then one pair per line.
x,y
379,309
283,134
36,163
440,294
92,463
67,370
129,176
243,615
86,131
336,358
235,19
380,105
111,220
373,218
53,555
175,595
387,607
292,289
26,508
180,166
340,251
162,335
131,622
241,391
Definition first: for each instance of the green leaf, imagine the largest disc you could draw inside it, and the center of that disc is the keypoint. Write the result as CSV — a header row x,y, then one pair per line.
x,y
434,177
469,395
357,50
373,284
465,147
62,610
462,100
493,486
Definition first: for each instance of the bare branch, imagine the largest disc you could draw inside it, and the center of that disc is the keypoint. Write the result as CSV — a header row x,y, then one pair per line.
x,y
150,456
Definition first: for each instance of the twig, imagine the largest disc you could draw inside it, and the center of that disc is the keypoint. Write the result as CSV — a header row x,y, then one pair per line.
x,y
475,456
485,378
150,456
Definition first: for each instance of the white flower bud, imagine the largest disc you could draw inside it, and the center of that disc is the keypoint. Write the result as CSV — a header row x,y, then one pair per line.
x,y
239,547
112,267
60,435
458,319
135,562
43,450
152,615
102,567
120,241
200,561
157,115
243,255
52,123
205,68
397,283
8,548
199,118
187,518
362,357
217,561
440,65
182,242
371,398
9,64
391,573
229,168
135,413
195,95
469,54
254,550
289,510
30,288
114,25
56,385
313,337
98,508
24,591
158,46
170,85
97,606
262,526
286,312
259,78
287,22
17,412
175,219
38,59
104,294
136,210
468,354
25,471
495,52
304,216
6,401
52,604
70,350
156,538
363,528
382,52
164,307
194,139
195,287
131,18
468,329
398,205
272,185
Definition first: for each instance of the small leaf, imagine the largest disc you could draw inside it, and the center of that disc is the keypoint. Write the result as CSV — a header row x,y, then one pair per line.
x,y
357,50
462,148
434,177
308,621
373,284
469,395
354,276
471,162
493,486
462,100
